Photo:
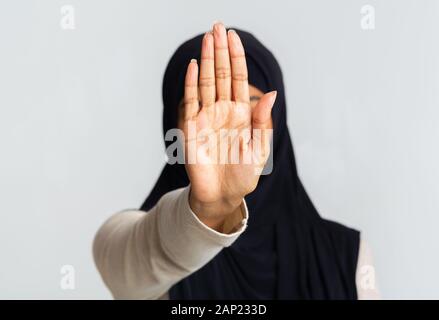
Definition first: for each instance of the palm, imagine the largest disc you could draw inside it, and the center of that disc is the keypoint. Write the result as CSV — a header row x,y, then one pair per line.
x,y
216,175
212,178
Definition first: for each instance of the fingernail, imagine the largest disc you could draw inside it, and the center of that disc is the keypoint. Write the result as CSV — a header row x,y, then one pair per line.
x,y
206,35
217,25
231,31
193,60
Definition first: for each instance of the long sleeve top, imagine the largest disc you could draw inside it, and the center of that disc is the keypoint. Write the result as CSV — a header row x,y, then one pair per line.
x,y
141,255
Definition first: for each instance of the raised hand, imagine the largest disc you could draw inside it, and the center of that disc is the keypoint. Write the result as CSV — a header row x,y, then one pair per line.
x,y
217,104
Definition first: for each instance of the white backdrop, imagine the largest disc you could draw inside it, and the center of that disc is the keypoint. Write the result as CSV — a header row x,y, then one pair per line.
x,y
80,125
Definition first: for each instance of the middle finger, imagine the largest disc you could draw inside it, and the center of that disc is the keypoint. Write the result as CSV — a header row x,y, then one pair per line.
x,y
222,63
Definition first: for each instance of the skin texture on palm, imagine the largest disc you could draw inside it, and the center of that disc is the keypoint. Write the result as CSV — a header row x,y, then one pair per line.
x,y
217,98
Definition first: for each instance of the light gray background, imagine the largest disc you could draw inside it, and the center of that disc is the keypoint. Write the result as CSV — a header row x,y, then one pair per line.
x,y
80,125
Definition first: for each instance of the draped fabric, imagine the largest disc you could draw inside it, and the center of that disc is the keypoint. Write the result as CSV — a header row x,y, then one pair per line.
x,y
287,251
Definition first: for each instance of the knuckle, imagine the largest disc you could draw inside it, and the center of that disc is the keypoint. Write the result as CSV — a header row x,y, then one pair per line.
x,y
240,77
223,96
190,100
207,81
206,104
222,73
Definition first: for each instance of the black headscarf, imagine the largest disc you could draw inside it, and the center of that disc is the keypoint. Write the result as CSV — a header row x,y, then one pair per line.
x,y
287,251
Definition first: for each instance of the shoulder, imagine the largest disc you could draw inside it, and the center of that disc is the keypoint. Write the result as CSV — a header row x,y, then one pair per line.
x,y
339,234
340,242
354,253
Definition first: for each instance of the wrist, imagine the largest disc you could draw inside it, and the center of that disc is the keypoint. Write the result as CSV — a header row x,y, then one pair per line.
x,y
213,214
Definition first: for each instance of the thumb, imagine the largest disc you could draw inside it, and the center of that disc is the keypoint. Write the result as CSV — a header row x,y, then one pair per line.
x,y
261,115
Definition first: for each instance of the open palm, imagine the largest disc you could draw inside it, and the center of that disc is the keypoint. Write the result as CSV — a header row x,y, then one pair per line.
x,y
217,108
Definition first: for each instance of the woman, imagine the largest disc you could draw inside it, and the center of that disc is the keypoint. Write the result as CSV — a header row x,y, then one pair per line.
x,y
210,230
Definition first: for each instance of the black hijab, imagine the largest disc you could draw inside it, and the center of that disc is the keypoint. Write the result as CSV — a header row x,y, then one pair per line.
x,y
287,251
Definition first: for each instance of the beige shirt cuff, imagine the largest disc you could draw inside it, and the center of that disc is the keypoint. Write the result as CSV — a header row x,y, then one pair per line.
x,y
182,234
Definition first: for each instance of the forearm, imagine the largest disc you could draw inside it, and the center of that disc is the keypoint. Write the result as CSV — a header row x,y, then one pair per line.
x,y
141,255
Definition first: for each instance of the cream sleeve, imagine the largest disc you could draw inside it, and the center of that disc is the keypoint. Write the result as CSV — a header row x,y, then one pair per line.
x,y
140,255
